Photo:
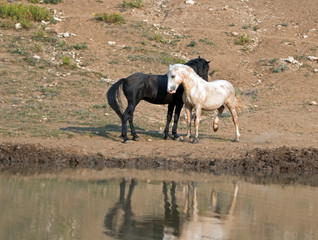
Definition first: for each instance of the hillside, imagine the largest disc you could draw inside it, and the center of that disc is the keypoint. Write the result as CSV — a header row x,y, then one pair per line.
x,y
54,76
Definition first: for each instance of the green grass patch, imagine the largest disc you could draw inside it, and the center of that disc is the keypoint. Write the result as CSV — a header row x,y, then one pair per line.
x,y
207,41
113,18
157,38
193,43
242,39
168,60
23,14
281,68
80,46
133,4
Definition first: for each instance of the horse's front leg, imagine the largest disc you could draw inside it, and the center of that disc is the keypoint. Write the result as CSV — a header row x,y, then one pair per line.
x,y
188,110
169,117
196,124
176,119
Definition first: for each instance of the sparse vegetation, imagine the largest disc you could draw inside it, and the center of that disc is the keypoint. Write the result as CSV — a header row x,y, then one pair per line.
x,y
242,39
281,68
157,38
133,4
205,40
167,59
39,77
114,18
80,46
193,43
255,28
66,61
46,1
23,14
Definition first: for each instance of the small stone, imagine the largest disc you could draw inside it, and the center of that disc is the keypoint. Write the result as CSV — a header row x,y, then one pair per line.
x,y
18,26
189,2
149,140
36,57
225,8
315,70
111,43
313,59
313,103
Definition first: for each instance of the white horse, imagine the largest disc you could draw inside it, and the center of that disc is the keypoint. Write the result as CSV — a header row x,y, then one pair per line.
x,y
203,95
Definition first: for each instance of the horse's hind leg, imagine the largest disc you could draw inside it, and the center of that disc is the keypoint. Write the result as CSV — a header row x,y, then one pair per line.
x,y
169,117
128,115
234,118
217,118
188,112
132,127
196,124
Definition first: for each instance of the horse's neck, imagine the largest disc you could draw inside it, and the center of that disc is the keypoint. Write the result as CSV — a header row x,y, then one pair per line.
x,y
190,83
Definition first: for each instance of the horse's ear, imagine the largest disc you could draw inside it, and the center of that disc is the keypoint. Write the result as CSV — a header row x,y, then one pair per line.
x,y
208,61
199,57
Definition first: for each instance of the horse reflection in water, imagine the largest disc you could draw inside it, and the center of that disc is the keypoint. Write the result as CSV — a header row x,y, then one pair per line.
x,y
194,226
122,206
121,223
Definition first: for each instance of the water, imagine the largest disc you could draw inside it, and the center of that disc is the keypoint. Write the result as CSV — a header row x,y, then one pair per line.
x,y
132,204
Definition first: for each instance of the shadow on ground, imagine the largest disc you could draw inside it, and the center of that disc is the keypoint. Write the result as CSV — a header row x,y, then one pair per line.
x,y
110,131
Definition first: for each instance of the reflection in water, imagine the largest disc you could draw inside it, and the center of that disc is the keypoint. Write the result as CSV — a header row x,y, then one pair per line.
x,y
189,226
194,226
217,207
127,227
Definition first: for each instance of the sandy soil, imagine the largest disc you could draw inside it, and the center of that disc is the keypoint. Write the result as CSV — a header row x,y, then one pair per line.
x,y
280,130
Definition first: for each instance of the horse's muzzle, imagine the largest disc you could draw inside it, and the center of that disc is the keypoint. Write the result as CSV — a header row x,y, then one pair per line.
x,y
172,89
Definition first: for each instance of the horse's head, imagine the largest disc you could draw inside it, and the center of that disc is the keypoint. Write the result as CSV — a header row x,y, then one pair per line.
x,y
200,66
175,77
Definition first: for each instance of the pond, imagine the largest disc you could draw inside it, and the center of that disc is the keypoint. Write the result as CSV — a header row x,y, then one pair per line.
x,y
149,204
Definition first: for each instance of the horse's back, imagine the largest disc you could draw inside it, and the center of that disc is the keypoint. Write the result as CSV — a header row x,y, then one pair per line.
x,y
222,85
218,92
148,87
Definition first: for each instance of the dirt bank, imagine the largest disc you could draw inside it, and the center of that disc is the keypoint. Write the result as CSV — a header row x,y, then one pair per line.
x,y
283,159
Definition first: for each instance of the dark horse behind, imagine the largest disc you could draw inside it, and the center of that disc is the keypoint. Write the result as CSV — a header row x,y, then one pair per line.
x,y
153,89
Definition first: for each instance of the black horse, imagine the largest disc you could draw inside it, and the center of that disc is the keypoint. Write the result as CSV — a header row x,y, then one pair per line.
x,y
153,89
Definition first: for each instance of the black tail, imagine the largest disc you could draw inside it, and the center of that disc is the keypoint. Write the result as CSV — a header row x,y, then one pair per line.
x,y
113,97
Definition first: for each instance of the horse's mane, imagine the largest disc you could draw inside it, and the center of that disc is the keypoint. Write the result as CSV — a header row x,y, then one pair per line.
x,y
188,69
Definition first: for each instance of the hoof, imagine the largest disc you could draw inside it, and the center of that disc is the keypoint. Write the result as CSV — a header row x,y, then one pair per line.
x,y
126,141
175,136
215,129
180,139
167,136
236,140
195,141
136,138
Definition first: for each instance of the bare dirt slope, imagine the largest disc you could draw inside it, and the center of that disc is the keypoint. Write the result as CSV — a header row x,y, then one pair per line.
x,y
246,41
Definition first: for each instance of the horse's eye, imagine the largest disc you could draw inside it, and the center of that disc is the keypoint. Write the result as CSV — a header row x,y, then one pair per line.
x,y
172,76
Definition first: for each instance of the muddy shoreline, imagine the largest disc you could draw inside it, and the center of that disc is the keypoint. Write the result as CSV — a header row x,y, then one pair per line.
x,y
278,160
